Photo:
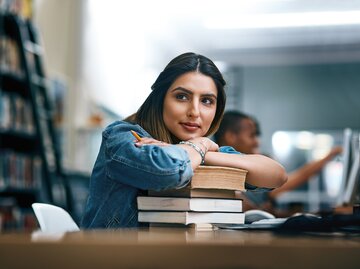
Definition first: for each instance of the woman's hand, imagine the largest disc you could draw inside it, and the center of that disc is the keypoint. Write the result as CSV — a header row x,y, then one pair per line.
x,y
197,149
150,141
205,143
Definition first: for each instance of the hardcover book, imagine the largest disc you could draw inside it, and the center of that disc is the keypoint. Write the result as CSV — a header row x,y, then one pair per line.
x,y
192,226
218,177
196,193
188,204
190,217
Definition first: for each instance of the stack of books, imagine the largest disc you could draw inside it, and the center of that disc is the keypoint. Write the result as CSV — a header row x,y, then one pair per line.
x,y
209,198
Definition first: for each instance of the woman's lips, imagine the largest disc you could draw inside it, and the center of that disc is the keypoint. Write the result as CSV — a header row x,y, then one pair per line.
x,y
190,126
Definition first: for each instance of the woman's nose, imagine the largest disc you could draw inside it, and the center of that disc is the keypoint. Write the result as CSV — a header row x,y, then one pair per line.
x,y
194,110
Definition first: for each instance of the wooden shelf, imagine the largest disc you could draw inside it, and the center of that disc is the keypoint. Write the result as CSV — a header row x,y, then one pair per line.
x,y
18,141
24,196
14,84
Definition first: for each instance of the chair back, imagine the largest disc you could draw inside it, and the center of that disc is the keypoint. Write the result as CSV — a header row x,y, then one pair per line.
x,y
53,219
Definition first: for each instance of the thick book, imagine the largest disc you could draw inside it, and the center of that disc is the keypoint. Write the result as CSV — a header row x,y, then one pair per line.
x,y
218,177
190,217
188,204
196,193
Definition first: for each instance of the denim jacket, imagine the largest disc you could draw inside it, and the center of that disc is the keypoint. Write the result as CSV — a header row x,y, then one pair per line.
x,y
122,171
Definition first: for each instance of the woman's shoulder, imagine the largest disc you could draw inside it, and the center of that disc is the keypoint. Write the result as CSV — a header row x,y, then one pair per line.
x,y
122,126
118,125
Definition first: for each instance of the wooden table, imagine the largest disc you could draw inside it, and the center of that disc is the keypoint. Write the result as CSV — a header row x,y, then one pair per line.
x,y
179,248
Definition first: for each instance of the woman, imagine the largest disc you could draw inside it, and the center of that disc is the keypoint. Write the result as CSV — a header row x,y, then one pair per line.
x,y
185,106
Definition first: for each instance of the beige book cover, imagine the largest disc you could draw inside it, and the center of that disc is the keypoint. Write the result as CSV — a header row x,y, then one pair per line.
x,y
218,177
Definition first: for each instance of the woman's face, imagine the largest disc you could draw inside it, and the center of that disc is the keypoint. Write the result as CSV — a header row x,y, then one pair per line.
x,y
190,105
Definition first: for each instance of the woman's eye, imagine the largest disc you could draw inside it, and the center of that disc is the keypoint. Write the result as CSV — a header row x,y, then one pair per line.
x,y
208,101
181,97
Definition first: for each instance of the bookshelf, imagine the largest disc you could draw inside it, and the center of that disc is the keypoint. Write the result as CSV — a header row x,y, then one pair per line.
x,y
30,161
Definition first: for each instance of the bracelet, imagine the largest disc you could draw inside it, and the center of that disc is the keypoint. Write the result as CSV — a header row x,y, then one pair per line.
x,y
199,150
202,142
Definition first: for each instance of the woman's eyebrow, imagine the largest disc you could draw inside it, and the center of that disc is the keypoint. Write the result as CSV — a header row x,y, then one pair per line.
x,y
182,89
190,92
210,95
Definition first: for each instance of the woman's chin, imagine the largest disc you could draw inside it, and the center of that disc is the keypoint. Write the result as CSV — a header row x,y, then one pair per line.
x,y
187,137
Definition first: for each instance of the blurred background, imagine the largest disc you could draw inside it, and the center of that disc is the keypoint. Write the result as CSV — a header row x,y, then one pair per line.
x,y
293,64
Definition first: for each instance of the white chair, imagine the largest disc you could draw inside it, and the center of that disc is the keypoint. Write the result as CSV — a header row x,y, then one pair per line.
x,y
54,219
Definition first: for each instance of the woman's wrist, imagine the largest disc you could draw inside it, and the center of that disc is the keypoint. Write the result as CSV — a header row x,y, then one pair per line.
x,y
203,143
199,147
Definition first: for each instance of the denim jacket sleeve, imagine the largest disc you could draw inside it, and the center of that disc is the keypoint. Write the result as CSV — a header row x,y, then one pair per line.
x,y
147,167
249,187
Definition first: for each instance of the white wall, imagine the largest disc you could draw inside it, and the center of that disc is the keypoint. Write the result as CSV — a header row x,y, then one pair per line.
x,y
304,97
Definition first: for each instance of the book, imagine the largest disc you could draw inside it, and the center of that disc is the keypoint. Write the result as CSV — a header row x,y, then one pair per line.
x,y
188,204
218,177
192,226
196,193
190,217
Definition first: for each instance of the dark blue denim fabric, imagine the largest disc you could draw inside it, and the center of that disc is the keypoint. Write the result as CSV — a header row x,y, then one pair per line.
x,y
122,170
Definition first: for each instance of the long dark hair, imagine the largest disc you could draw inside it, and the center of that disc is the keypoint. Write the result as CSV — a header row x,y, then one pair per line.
x,y
150,114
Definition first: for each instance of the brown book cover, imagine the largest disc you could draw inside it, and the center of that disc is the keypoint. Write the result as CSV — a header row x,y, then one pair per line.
x,y
218,177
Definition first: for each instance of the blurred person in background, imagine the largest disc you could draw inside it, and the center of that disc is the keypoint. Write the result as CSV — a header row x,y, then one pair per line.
x,y
242,132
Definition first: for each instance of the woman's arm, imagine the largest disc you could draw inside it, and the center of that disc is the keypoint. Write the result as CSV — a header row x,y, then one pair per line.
x,y
143,165
194,155
203,143
262,171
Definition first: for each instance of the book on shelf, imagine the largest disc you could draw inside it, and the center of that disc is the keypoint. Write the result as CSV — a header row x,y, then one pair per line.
x,y
10,60
196,193
218,177
184,217
188,204
16,114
